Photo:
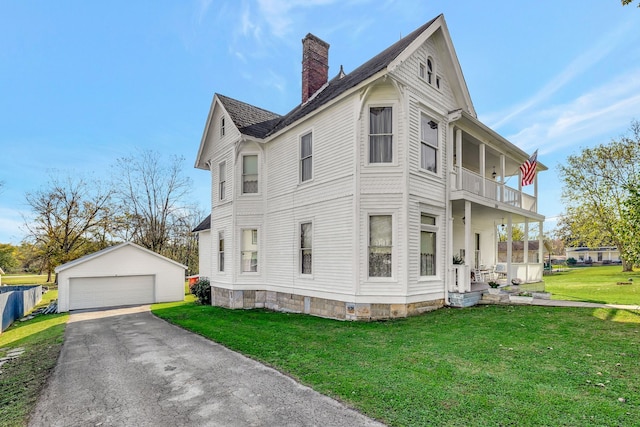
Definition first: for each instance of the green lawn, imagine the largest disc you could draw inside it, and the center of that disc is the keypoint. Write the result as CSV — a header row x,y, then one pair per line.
x,y
489,365
23,378
595,284
24,279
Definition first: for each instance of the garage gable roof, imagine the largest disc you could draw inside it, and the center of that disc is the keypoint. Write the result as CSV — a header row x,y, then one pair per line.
x,y
112,249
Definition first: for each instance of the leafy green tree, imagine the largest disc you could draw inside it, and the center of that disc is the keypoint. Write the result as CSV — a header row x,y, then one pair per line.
x,y
628,228
596,183
8,260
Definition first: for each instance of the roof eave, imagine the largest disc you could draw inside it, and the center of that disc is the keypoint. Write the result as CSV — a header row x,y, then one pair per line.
x,y
514,148
329,103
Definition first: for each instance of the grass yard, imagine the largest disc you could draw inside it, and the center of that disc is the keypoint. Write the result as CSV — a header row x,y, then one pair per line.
x,y
24,279
595,284
488,365
22,379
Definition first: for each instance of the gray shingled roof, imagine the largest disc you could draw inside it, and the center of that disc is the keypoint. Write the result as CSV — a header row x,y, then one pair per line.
x,y
204,225
256,122
249,120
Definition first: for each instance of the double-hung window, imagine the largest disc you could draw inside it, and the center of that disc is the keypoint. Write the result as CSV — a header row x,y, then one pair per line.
x,y
249,255
380,245
221,251
380,135
428,144
250,174
306,251
306,157
428,243
222,177
222,127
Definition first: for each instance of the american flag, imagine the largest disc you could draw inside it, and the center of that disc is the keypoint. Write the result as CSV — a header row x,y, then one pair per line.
x,y
528,169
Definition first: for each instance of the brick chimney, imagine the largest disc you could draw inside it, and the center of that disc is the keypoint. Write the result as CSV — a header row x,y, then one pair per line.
x,y
315,65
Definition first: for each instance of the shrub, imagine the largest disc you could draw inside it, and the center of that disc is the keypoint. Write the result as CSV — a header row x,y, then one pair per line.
x,y
571,261
202,290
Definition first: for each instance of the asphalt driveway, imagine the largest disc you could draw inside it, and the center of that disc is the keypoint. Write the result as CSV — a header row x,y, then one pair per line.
x,y
125,367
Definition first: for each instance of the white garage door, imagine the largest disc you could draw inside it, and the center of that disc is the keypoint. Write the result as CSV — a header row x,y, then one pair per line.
x,y
95,292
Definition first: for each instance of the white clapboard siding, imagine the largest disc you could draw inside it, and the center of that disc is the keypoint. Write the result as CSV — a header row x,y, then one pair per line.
x,y
333,133
441,98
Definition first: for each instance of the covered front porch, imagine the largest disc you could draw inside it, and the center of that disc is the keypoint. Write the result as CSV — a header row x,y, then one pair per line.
x,y
490,243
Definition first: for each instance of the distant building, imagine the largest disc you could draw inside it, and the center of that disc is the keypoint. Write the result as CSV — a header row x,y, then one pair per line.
x,y
601,255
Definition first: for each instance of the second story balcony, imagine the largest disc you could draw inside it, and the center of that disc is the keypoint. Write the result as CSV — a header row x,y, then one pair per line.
x,y
486,167
465,180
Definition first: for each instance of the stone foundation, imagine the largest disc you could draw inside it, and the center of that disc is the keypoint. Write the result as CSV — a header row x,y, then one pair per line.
x,y
322,307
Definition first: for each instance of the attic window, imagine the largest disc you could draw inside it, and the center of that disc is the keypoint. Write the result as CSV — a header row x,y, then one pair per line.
x,y
438,82
422,71
222,126
430,70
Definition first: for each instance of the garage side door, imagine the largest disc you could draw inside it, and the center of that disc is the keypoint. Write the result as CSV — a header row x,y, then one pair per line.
x,y
96,292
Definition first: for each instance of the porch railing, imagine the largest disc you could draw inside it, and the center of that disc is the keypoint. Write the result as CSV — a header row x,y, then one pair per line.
x,y
493,190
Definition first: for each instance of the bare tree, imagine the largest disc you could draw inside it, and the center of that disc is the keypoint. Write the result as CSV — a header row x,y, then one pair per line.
x,y
68,213
151,194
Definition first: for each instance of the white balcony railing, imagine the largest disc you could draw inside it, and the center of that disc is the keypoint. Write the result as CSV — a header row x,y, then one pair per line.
x,y
493,190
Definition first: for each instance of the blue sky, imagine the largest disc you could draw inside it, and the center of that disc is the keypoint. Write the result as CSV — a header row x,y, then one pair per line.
x,y
84,83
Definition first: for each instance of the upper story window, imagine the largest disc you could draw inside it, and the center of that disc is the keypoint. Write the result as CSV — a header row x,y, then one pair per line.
x,y
380,245
422,72
380,135
430,70
428,244
428,144
306,157
222,178
222,127
250,174
306,245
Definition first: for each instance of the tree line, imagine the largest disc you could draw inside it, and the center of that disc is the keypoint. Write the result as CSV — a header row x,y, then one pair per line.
x,y
602,199
145,201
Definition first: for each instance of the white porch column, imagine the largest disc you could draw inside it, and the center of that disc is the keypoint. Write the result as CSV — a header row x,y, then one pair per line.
x,y
509,247
483,167
503,168
467,238
459,158
541,245
525,248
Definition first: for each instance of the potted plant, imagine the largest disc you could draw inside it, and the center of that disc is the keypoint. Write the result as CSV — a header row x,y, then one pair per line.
x,y
494,287
521,297
457,260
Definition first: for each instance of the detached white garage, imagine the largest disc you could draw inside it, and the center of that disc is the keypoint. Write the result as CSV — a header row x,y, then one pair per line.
x,y
125,274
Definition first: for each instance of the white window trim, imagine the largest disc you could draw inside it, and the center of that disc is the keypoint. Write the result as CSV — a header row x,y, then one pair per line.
x,y
222,193
438,172
300,136
435,229
394,135
433,73
242,193
250,273
394,247
221,237
299,246
439,253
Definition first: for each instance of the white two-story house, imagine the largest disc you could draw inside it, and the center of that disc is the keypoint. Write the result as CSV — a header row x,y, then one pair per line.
x,y
354,204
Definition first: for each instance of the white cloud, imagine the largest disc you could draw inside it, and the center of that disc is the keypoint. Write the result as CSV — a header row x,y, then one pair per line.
x,y
600,113
605,45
